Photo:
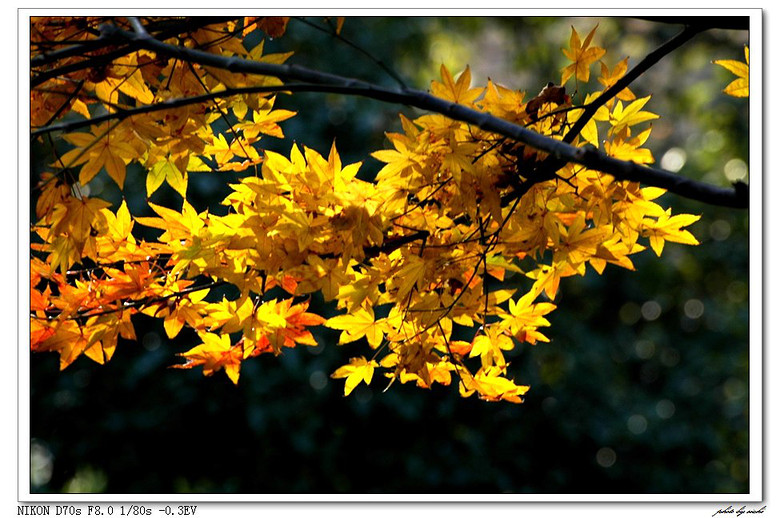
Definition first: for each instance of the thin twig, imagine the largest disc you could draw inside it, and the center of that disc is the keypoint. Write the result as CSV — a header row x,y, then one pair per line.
x,y
644,65
381,64
106,40
135,304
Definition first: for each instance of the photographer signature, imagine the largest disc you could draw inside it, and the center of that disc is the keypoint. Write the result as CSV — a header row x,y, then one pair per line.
x,y
739,512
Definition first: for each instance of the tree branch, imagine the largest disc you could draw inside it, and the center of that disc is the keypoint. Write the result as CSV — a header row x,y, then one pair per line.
x,y
731,197
735,197
644,65
103,41
169,104
134,304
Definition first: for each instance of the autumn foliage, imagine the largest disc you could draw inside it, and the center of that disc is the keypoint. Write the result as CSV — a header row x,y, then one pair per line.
x,y
416,261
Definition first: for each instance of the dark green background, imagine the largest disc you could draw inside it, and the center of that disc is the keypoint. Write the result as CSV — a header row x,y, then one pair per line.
x,y
634,394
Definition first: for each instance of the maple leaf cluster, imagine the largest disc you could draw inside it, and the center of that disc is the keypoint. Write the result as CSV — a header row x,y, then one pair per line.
x,y
442,265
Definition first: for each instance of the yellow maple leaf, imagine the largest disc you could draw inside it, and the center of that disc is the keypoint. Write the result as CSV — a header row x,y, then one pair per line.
x,y
166,170
265,121
582,55
359,369
739,87
622,118
524,318
185,310
67,339
590,131
177,225
74,226
669,228
230,315
577,243
356,325
400,160
490,384
409,276
97,150
488,346
214,354
280,324
457,91
128,79
627,148
610,77
78,217
53,191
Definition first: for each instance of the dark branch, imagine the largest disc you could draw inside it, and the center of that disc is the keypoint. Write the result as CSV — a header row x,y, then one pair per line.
x,y
649,60
736,197
123,113
395,243
137,303
107,40
561,150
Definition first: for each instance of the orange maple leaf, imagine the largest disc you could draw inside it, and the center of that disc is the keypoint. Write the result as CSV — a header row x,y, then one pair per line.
x,y
214,354
296,319
273,26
